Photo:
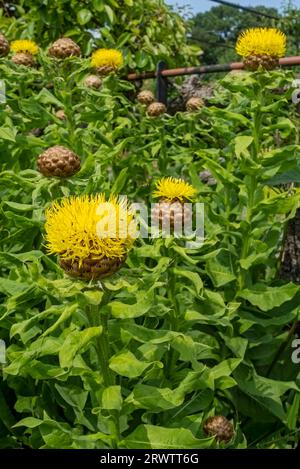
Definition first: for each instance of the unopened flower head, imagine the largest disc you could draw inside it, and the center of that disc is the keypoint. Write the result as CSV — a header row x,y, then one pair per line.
x,y
170,189
24,46
110,58
261,41
86,226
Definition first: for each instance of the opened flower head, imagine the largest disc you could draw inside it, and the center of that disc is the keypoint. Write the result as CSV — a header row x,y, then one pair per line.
x,y
174,189
25,46
261,41
86,226
110,58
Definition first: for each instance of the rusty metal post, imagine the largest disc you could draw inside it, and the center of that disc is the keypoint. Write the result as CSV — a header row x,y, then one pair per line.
x,y
161,83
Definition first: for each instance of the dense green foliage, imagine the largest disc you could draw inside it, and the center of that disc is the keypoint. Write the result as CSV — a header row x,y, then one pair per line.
x,y
145,29
184,333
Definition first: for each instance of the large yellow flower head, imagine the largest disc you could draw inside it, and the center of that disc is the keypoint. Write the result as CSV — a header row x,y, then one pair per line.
x,y
25,46
261,41
174,189
110,58
86,226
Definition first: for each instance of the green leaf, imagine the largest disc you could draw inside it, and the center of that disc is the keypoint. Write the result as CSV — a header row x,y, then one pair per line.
x,y
225,368
112,398
74,342
103,138
12,287
192,276
120,181
220,269
73,395
29,422
6,133
126,364
267,298
293,413
156,437
124,310
265,391
84,16
154,399
237,345
242,142
110,13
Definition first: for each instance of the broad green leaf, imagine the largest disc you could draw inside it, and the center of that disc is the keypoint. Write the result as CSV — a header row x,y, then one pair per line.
x,y
267,298
126,364
293,413
192,276
124,310
154,399
112,398
156,437
74,342
84,16
29,422
220,269
120,181
242,142
6,133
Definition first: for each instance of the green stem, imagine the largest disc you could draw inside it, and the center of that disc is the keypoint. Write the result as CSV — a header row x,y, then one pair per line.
x,y
171,357
256,146
96,317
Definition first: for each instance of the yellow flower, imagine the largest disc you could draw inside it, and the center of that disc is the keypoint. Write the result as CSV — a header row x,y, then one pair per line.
x,y
24,45
89,226
174,189
261,41
111,58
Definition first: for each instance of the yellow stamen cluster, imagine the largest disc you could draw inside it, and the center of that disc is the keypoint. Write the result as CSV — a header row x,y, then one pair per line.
x,y
107,58
89,226
261,41
25,46
174,189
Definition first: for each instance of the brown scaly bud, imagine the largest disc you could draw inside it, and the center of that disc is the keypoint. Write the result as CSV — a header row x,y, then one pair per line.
x,y
219,427
267,62
63,48
36,132
23,58
146,97
90,268
207,178
156,109
4,46
193,104
105,70
92,81
60,114
58,161
173,215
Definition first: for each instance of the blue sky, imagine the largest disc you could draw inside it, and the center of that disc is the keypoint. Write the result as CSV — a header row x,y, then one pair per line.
x,y
204,5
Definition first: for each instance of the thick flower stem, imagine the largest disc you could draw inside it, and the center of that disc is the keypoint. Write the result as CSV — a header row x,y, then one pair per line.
x,y
171,356
95,318
253,182
101,344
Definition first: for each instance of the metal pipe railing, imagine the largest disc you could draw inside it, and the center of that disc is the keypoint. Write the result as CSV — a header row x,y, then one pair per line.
x,y
284,62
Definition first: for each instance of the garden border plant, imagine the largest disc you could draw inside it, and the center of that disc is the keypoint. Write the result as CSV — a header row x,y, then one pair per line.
x,y
197,341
